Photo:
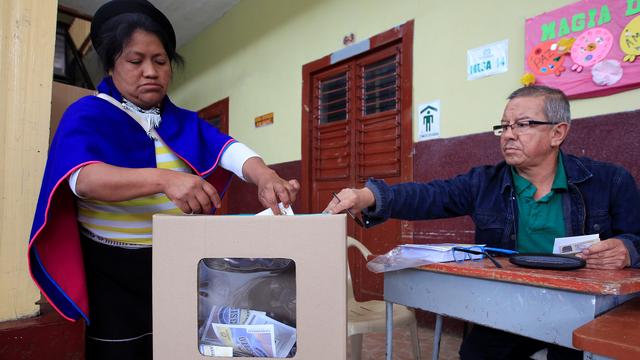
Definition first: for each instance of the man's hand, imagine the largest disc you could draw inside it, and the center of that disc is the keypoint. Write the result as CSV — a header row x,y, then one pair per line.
x,y
607,254
352,199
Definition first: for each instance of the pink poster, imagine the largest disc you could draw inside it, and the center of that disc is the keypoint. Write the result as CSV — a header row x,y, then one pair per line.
x,y
587,49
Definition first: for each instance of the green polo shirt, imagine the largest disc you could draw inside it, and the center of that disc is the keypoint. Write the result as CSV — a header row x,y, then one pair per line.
x,y
541,221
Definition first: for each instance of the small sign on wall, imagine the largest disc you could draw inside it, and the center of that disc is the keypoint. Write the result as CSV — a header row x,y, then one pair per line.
x,y
428,115
264,120
488,60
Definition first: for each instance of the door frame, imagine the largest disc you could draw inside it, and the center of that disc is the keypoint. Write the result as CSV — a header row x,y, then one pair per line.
x,y
402,34
218,108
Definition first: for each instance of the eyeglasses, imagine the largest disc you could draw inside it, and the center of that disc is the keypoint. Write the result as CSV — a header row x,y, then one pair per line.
x,y
355,218
466,253
518,127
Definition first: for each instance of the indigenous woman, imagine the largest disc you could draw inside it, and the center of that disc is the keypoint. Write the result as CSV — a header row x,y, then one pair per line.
x,y
118,158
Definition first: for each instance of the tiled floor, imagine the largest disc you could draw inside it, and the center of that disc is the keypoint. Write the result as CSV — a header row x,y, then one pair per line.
x,y
373,347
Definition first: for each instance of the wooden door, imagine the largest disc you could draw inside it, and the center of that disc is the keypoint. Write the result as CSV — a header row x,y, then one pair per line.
x,y
217,114
357,125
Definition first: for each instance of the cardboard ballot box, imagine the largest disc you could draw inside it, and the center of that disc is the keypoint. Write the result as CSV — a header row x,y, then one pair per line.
x,y
313,245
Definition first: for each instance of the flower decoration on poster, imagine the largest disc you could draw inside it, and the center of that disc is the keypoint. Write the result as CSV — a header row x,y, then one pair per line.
x,y
587,49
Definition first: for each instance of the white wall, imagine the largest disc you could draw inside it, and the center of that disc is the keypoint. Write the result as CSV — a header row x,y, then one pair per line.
x,y
255,54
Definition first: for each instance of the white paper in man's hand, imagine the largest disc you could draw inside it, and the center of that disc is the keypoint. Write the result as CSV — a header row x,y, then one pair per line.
x,y
283,210
574,244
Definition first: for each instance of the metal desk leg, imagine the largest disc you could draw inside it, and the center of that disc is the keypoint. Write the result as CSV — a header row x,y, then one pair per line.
x,y
592,356
389,330
437,334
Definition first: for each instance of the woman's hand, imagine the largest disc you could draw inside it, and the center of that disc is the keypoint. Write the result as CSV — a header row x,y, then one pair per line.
x,y
191,193
104,182
271,187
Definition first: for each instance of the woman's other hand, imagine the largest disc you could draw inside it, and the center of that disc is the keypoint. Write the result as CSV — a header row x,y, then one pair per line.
x,y
272,189
191,193
105,182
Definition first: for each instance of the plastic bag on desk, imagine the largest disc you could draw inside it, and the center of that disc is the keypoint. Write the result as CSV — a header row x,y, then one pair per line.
x,y
396,259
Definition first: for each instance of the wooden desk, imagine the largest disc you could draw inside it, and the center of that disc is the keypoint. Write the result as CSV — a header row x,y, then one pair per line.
x,y
542,304
615,334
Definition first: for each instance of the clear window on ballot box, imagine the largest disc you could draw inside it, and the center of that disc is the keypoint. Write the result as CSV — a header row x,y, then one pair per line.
x,y
247,307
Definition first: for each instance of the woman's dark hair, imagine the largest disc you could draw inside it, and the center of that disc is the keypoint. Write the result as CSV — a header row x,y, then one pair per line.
x,y
116,32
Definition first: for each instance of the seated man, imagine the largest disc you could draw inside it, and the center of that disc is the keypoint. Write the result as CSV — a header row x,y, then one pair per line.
x,y
536,194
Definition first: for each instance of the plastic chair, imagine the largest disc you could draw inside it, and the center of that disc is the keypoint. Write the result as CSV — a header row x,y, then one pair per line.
x,y
370,316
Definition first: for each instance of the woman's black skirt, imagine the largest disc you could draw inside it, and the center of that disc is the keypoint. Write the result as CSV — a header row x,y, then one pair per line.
x,y
119,287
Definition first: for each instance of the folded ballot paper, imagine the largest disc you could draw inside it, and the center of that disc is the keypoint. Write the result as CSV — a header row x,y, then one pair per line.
x,y
412,255
574,244
283,210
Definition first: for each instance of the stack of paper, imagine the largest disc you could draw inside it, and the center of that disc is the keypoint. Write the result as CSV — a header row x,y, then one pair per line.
x,y
436,252
249,333
412,255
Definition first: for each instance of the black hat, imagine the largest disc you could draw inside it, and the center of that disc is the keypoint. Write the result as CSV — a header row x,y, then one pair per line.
x,y
118,7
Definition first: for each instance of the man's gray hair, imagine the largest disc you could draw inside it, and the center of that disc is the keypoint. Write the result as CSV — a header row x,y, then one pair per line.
x,y
556,104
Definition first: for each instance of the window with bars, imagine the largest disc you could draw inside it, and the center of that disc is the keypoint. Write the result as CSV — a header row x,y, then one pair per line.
x,y
333,98
380,86
358,129
378,136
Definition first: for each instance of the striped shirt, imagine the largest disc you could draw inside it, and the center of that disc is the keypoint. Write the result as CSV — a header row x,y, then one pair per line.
x,y
129,222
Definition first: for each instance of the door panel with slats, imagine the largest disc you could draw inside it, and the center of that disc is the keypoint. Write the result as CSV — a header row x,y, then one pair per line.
x,y
333,160
357,135
379,127
331,136
359,126
332,143
378,148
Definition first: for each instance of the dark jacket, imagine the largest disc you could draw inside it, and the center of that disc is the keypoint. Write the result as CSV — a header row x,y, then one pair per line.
x,y
602,198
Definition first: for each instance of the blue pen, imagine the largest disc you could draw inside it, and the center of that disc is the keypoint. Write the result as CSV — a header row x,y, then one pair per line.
x,y
499,250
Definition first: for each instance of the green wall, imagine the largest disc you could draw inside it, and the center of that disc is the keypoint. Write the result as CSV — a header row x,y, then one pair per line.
x,y
254,55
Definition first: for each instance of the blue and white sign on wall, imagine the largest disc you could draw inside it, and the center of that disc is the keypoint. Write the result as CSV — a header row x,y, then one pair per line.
x,y
488,60
428,116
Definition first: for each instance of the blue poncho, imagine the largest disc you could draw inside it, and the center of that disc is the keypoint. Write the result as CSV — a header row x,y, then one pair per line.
x,y
94,130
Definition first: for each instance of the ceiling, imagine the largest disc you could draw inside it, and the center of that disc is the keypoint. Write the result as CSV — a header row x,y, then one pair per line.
x,y
189,17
